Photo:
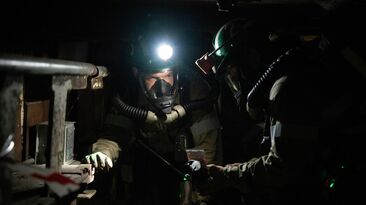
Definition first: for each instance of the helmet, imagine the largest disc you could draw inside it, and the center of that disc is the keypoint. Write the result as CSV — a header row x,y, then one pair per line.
x,y
225,38
157,72
236,55
234,43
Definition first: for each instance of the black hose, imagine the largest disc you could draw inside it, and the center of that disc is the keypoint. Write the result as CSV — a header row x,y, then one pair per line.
x,y
130,111
257,95
197,104
205,102
141,114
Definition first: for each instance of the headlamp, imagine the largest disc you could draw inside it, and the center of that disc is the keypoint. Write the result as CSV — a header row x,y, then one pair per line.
x,y
165,51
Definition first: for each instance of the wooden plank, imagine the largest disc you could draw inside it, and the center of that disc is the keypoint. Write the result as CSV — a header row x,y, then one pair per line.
x,y
34,113
87,194
18,139
37,112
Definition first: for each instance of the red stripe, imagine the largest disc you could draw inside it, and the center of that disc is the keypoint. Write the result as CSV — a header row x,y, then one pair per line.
x,y
54,177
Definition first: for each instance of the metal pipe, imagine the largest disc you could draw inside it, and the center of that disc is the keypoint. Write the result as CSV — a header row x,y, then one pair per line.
x,y
45,66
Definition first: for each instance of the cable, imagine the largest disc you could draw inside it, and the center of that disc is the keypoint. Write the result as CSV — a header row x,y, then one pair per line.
x,y
180,173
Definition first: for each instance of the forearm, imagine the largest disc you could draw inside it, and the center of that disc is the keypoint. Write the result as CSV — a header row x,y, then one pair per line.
x,y
263,173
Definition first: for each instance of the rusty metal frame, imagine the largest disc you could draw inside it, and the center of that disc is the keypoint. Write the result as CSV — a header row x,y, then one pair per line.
x,y
66,75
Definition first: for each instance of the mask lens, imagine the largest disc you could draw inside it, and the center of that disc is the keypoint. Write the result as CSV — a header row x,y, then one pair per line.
x,y
151,79
160,89
160,84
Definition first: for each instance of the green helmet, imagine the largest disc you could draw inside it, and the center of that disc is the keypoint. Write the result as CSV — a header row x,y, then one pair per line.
x,y
236,40
227,36
231,44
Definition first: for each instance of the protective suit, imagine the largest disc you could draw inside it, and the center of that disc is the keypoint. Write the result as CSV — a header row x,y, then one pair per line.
x,y
308,94
241,55
147,139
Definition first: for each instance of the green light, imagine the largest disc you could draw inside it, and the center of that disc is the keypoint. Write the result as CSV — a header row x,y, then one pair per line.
x,y
186,177
332,183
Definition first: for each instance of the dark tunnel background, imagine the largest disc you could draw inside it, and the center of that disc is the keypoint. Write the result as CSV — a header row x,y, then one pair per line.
x,y
100,32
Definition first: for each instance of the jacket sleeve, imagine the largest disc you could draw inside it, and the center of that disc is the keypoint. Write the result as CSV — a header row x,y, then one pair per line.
x,y
116,135
294,140
258,173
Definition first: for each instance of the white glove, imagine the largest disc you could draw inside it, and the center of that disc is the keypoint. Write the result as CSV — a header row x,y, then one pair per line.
x,y
99,160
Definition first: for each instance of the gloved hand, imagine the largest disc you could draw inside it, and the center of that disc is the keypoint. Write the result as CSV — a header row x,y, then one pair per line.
x,y
99,160
215,180
104,152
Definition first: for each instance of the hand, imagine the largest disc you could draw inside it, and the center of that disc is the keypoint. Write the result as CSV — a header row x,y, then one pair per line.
x,y
99,160
215,170
215,181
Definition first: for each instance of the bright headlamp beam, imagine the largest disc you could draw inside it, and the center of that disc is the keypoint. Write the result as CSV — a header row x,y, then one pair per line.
x,y
165,51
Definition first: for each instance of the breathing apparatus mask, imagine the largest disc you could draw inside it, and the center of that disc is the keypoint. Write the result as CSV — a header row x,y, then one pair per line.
x,y
160,88
156,68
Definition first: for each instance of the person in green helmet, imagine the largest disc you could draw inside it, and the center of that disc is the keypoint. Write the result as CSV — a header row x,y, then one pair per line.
x,y
243,49
310,103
